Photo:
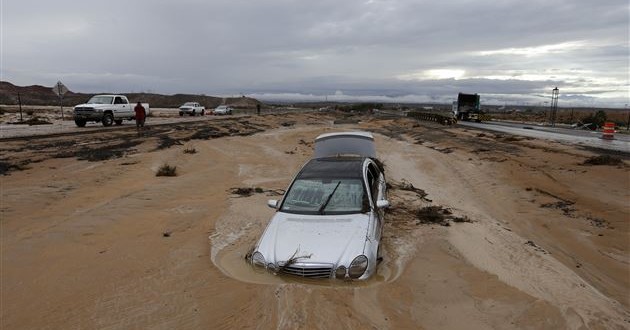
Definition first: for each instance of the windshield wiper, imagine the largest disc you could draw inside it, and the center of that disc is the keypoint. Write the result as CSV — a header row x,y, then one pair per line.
x,y
321,208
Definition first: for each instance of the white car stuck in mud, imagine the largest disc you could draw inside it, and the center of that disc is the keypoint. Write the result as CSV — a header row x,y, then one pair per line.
x,y
329,223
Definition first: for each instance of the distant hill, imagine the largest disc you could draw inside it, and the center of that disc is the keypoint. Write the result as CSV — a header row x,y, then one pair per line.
x,y
40,95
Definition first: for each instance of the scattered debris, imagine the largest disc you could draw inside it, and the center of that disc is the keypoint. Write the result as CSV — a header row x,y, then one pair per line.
x,y
207,133
407,186
438,215
32,121
536,247
552,195
293,259
442,150
288,123
603,160
308,144
598,222
242,191
167,142
494,159
432,215
511,138
564,205
466,219
99,152
6,167
248,191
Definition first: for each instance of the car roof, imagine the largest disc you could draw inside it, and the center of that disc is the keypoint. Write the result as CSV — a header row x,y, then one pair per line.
x,y
333,167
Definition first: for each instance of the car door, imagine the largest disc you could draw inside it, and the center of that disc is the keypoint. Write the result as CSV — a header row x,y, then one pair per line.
x,y
121,107
374,179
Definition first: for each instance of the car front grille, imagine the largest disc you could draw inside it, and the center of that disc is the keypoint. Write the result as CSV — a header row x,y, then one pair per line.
x,y
305,270
83,110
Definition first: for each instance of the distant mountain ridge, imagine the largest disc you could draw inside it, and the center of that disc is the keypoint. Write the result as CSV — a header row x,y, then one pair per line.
x,y
41,95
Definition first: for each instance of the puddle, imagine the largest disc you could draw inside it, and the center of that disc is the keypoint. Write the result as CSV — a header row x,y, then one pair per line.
x,y
246,219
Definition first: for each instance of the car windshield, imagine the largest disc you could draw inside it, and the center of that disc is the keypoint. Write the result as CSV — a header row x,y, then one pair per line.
x,y
325,196
101,100
188,104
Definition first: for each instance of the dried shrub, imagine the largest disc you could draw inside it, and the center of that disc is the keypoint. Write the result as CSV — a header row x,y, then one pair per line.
x,y
433,215
190,151
167,170
438,215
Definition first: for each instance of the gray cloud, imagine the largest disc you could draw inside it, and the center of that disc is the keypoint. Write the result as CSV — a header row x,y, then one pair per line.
x,y
380,48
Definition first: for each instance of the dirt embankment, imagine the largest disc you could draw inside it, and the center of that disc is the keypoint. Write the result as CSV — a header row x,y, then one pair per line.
x,y
485,231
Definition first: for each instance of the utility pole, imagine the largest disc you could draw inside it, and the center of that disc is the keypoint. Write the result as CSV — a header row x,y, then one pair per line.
x,y
554,105
20,104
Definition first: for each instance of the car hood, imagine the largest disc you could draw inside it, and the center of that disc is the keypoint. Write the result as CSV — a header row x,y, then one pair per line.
x,y
92,105
335,239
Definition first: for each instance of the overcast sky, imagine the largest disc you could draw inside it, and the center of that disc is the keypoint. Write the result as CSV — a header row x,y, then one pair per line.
x,y
509,51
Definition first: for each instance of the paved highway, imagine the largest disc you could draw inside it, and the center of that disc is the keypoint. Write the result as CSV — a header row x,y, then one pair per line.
x,y
621,142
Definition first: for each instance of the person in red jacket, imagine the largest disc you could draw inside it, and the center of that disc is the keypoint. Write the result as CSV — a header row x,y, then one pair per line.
x,y
141,115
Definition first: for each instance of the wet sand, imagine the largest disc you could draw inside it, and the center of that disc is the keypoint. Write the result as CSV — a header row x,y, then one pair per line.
x,y
104,243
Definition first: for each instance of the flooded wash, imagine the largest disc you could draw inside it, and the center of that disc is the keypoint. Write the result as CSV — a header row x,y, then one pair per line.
x,y
238,230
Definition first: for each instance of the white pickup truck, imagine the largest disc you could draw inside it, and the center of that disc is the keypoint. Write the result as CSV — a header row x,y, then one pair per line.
x,y
107,109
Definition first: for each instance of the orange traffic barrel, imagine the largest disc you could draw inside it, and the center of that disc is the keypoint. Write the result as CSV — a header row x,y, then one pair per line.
x,y
609,131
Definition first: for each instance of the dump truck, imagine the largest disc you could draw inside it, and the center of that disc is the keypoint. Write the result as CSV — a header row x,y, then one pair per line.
x,y
467,107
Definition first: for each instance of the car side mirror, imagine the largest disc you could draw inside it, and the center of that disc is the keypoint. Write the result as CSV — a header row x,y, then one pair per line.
x,y
272,203
382,204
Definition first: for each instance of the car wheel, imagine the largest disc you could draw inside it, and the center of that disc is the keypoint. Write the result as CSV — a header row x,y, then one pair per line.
x,y
80,122
108,119
203,112
118,122
193,113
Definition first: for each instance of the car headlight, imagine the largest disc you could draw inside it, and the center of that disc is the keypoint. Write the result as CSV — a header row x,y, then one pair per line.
x,y
358,266
258,260
340,272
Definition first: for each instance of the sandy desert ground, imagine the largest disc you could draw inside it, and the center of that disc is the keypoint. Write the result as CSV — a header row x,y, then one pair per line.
x,y
528,236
